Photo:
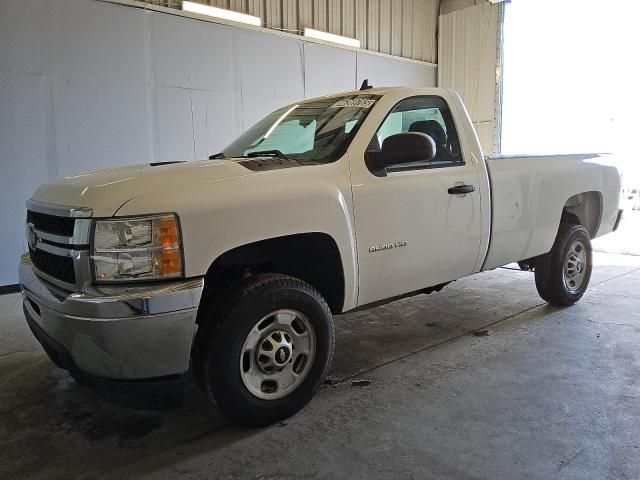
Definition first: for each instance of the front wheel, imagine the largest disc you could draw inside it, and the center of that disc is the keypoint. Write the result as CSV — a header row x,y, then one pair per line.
x,y
563,274
261,358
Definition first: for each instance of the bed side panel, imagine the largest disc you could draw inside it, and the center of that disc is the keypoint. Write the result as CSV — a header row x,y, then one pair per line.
x,y
529,193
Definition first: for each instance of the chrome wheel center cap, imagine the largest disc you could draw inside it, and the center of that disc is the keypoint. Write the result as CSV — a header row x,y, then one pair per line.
x,y
275,351
282,356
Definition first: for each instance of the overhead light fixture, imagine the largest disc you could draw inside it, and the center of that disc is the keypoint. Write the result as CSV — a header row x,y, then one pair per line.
x,y
221,13
330,37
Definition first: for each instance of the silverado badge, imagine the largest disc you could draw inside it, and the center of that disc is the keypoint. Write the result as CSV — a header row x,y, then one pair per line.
x,y
388,246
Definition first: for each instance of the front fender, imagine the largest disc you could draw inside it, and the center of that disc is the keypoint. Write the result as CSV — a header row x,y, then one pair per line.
x,y
221,215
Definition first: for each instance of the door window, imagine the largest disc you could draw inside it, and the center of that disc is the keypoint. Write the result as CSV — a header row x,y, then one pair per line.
x,y
425,114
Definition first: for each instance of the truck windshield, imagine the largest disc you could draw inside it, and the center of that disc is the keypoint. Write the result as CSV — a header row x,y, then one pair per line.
x,y
318,130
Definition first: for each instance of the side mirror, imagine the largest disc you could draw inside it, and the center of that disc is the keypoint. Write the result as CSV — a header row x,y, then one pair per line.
x,y
401,148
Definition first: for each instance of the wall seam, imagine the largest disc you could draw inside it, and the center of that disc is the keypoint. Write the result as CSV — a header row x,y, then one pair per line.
x,y
193,121
152,91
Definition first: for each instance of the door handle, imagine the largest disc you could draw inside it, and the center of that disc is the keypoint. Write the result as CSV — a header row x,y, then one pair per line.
x,y
458,189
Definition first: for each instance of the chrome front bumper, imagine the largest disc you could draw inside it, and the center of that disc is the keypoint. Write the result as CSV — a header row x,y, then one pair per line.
x,y
116,332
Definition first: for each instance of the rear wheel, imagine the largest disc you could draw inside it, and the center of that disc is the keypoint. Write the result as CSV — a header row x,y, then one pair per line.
x,y
261,358
563,274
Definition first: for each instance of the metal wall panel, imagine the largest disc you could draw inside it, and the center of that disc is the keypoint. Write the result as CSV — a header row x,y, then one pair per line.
x,y
252,7
319,15
290,15
396,27
385,27
305,15
361,21
349,19
273,14
468,64
405,28
334,16
373,25
320,80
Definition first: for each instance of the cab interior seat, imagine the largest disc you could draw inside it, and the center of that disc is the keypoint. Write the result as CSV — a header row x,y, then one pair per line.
x,y
439,136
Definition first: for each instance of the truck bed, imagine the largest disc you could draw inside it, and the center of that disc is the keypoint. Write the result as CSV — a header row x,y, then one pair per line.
x,y
527,195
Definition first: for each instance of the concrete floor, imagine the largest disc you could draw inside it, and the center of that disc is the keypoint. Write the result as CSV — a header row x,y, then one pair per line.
x,y
548,393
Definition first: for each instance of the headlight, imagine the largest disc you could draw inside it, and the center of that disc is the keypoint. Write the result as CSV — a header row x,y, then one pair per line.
x,y
139,248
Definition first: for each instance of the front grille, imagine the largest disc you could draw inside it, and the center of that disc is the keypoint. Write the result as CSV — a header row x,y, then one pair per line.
x,y
58,267
43,222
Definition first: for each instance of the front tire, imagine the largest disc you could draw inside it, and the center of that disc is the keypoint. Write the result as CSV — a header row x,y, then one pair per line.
x,y
563,274
264,354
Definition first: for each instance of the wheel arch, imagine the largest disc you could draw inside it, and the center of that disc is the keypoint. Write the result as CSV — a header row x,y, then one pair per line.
x,y
313,257
584,209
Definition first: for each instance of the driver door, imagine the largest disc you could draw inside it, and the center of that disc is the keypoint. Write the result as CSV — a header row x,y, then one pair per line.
x,y
412,232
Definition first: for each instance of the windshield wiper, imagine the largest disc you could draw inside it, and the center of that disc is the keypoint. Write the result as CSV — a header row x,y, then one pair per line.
x,y
217,155
268,153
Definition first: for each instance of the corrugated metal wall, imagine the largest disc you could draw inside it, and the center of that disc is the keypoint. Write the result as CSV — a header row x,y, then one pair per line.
x,y
468,62
406,28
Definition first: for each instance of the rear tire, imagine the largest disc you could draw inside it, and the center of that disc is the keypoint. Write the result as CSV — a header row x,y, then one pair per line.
x,y
262,356
563,274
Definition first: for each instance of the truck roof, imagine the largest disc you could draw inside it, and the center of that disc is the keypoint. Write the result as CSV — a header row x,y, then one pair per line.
x,y
385,90
375,91
379,91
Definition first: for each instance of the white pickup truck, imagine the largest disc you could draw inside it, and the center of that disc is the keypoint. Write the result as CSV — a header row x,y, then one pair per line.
x,y
232,267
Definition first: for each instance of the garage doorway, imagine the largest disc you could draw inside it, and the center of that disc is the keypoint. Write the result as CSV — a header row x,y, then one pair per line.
x,y
570,85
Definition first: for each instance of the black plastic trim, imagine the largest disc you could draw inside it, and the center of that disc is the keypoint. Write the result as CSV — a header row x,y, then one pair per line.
x,y
55,225
56,266
158,164
6,289
461,189
618,219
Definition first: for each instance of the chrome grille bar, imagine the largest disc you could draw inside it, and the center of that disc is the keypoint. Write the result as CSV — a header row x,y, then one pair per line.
x,y
43,235
59,210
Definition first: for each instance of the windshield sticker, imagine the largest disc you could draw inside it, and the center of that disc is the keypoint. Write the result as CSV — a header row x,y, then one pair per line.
x,y
354,102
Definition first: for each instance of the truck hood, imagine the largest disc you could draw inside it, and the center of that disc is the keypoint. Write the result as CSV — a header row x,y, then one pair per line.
x,y
105,191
